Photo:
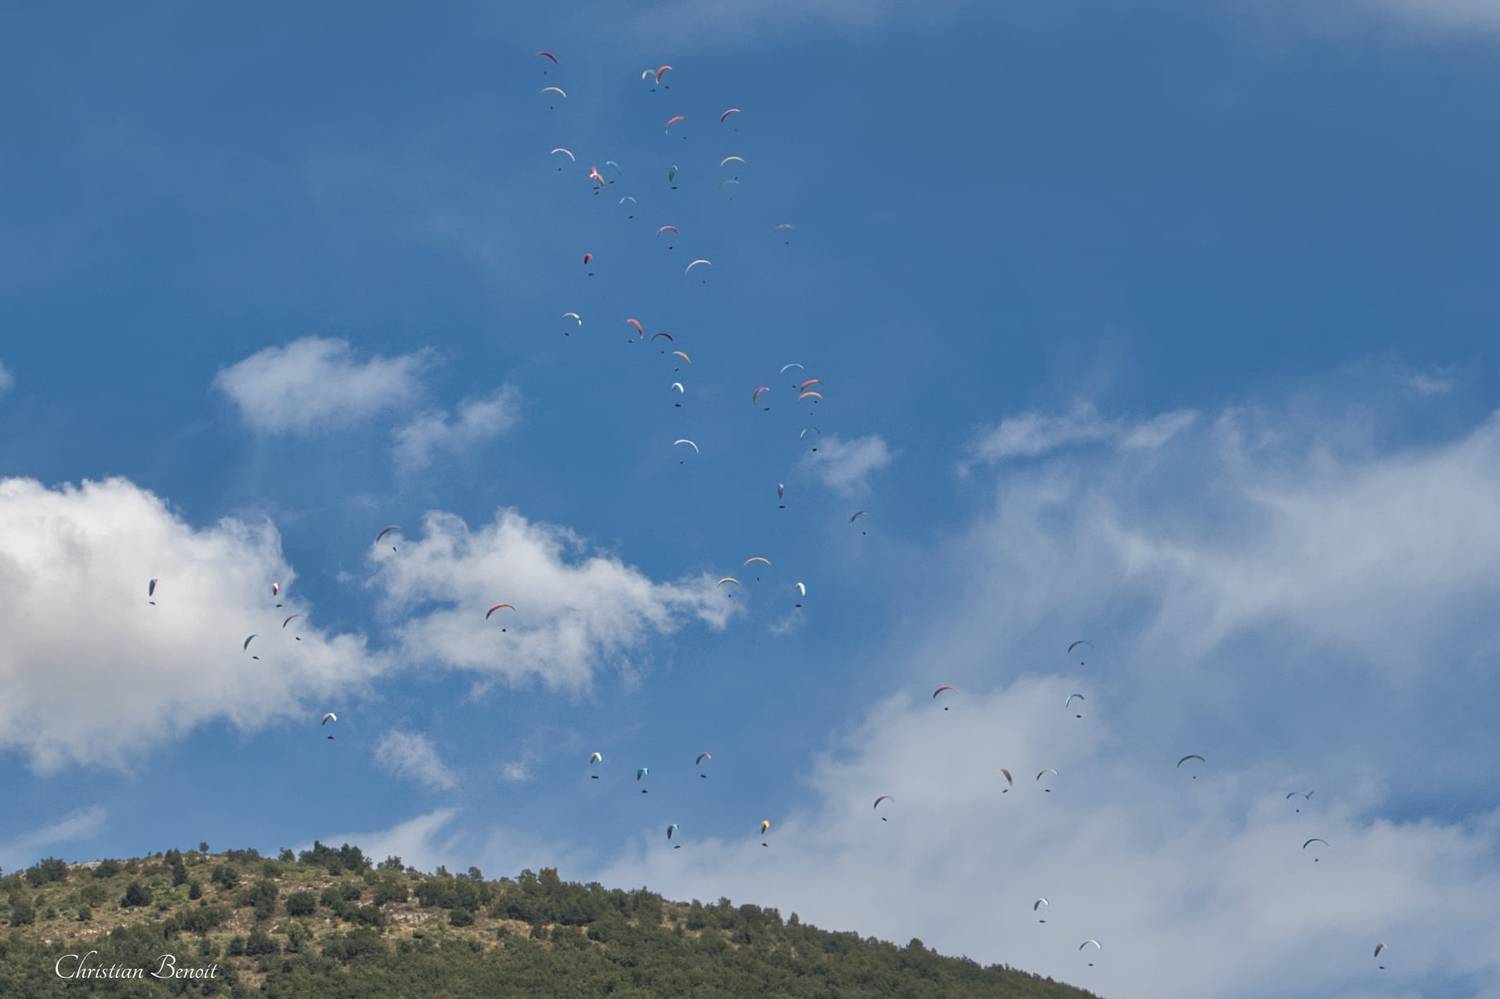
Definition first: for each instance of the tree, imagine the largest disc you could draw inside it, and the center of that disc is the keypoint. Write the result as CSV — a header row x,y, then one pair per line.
x,y
179,871
301,903
47,871
22,911
195,890
107,869
136,894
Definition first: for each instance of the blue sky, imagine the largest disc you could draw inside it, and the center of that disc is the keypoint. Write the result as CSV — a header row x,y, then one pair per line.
x,y
1167,325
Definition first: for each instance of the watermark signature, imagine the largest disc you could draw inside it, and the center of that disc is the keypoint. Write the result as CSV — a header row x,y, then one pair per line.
x,y
72,967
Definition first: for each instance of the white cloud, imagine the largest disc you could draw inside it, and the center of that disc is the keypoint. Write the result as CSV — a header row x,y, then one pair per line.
x,y
414,757
435,433
1432,383
1446,14
518,771
573,610
435,839
93,673
846,466
318,383
1033,434
1195,888
28,848
1305,611
7,380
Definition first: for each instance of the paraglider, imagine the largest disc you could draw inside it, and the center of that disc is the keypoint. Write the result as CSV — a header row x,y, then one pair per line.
x,y
1313,840
246,646
554,90
883,797
498,607
700,262
670,830
1009,781
573,316
1307,796
387,530
548,55
682,354
680,391
661,72
729,579
1086,943
794,364
809,395
566,152
758,558
732,159
674,120
781,494
1191,756
1043,773
1078,643
640,331
588,258
857,514
669,229
151,591
328,716
1378,948
596,177
276,592
1069,702
759,391
765,827
679,442
1038,904
727,113
699,763
672,177
785,227
801,591
819,432
289,620
942,687
641,775
595,758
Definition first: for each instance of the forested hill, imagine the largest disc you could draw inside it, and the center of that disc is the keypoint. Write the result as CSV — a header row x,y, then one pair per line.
x,y
331,923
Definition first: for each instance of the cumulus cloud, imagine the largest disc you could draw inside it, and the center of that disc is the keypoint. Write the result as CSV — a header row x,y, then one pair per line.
x,y
7,380
518,771
1033,434
475,421
26,849
846,466
413,757
574,610
93,673
318,383
1432,383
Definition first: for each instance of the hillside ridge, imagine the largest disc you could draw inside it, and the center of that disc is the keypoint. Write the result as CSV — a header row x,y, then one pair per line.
x,y
330,922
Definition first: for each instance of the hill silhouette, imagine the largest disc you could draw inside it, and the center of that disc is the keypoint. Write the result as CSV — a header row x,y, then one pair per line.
x,y
330,923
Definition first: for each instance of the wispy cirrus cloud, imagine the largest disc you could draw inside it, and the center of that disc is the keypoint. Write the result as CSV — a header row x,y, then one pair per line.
x,y
1035,434
319,383
435,433
845,466
412,756
29,847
